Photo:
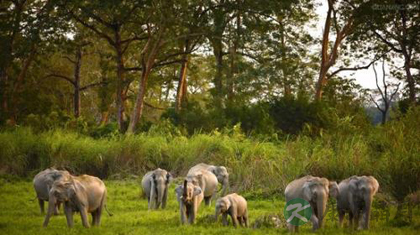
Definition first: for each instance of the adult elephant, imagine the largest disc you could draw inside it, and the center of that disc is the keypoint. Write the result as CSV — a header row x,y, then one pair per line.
x,y
219,171
315,190
84,194
207,182
189,196
155,186
43,182
355,197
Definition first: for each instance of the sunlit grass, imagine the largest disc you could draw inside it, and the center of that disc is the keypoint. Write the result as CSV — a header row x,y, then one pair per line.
x,y
20,215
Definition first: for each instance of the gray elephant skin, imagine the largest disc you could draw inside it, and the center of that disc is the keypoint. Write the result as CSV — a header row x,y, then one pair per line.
x,y
315,190
207,182
84,194
43,182
155,186
189,196
220,172
235,206
355,197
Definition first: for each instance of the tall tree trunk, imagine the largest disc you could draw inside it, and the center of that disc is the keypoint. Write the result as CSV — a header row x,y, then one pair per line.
x,y
286,86
120,82
182,81
182,85
328,58
218,78
148,63
76,94
18,84
322,79
407,53
411,83
138,109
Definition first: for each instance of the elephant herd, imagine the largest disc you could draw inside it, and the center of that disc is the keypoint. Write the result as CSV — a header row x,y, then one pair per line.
x,y
87,194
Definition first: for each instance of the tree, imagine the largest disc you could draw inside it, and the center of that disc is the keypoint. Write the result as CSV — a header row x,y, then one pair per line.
x,y
329,56
113,22
395,29
386,96
25,26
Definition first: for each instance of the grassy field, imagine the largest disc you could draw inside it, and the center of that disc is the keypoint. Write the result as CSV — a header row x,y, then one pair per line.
x,y
20,215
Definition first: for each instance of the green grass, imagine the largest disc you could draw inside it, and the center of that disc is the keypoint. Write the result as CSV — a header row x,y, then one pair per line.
x,y
20,215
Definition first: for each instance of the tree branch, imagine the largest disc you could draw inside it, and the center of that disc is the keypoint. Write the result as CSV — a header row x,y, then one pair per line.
x,y
387,42
92,85
152,106
62,77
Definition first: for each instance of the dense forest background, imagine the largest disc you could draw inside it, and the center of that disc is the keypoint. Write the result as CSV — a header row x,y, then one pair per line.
x,y
116,87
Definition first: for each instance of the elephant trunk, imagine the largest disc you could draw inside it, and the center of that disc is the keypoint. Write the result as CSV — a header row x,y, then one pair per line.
x,y
367,208
152,197
216,216
51,207
160,192
321,207
225,186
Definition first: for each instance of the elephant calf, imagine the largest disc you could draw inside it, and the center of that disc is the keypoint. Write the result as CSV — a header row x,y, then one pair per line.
x,y
189,196
235,206
43,182
155,185
84,194
355,197
314,190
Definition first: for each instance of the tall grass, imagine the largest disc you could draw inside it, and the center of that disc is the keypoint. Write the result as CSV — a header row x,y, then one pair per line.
x,y
390,153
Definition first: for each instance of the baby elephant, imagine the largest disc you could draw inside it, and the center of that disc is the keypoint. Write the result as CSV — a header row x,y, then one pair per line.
x,y
155,185
235,206
43,182
189,196
355,197
84,194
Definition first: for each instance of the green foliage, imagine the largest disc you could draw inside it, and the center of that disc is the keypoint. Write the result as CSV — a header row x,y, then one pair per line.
x,y
390,153
20,215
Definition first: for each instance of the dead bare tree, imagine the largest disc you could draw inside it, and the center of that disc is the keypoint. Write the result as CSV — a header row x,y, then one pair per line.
x,y
386,96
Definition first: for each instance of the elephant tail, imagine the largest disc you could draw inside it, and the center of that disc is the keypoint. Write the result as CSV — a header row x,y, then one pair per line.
x,y
33,199
107,211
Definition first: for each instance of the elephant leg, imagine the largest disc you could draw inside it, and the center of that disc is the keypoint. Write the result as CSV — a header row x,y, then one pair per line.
x,y
224,219
192,214
341,215
351,218
207,200
69,215
165,198
246,219
83,214
94,217
41,205
234,219
56,208
292,228
99,215
356,218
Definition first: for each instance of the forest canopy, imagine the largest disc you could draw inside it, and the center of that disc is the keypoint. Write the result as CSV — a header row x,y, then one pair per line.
x,y
106,66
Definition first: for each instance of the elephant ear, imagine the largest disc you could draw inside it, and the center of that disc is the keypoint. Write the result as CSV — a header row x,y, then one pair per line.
x,y
375,184
179,190
333,189
169,178
307,191
197,191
